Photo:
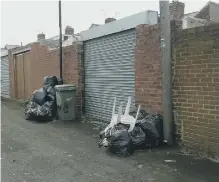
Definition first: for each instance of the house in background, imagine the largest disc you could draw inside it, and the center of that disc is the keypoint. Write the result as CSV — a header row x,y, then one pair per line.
x,y
205,16
5,79
68,32
29,64
53,43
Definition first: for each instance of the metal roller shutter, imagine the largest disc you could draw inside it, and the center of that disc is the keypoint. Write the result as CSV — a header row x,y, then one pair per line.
x,y
5,81
109,72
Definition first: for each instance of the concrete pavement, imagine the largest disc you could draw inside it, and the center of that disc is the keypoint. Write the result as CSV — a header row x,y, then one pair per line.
x,y
59,151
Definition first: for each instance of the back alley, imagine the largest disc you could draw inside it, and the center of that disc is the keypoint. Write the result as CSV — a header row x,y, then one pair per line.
x,y
59,151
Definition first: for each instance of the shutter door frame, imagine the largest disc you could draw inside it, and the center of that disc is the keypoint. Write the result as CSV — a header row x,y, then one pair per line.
x,y
109,72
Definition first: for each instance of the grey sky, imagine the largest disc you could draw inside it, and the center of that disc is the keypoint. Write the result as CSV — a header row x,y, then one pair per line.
x,y
21,21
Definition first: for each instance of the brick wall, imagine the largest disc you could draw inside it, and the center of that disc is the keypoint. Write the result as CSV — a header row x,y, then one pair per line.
x,y
44,62
195,81
73,72
196,88
148,70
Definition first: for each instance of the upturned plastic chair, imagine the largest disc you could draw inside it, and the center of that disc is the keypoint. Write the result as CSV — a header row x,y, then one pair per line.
x,y
120,118
128,119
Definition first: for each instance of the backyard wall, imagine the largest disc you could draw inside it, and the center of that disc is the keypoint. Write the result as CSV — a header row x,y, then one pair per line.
x,y
27,70
195,55
148,69
196,88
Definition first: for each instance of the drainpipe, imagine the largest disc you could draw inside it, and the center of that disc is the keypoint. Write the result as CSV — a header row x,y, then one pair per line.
x,y
60,39
167,72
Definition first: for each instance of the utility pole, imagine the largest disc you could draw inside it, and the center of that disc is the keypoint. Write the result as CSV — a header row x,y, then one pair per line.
x,y
167,72
60,38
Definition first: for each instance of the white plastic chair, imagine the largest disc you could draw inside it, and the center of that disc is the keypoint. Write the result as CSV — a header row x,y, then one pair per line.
x,y
114,117
120,118
128,119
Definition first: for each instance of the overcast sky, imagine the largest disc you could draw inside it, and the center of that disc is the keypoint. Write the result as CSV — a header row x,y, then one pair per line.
x,y
21,21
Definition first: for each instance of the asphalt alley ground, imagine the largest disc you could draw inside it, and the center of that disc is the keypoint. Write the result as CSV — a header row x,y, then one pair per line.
x,y
59,151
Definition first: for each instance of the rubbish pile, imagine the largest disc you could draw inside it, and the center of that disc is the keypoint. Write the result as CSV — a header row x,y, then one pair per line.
x,y
42,104
132,131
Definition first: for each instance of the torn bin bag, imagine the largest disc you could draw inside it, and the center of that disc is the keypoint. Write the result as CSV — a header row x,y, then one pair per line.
x,y
139,138
34,111
152,125
42,105
120,141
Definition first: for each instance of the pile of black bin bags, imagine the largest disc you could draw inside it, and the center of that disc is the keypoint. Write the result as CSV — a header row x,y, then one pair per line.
x,y
42,104
147,134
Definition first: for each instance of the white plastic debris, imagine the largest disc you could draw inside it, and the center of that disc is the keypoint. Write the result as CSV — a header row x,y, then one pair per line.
x,y
140,166
105,143
170,161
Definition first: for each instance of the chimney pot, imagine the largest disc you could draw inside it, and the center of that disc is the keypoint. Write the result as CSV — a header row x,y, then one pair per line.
x,y
69,30
41,36
108,20
176,10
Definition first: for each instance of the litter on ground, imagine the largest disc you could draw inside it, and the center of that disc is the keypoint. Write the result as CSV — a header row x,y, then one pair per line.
x,y
127,133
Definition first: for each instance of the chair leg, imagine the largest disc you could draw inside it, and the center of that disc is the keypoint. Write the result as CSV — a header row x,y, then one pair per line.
x,y
119,114
128,106
136,117
113,113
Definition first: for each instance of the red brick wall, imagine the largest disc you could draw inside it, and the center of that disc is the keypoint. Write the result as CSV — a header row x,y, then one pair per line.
x,y
73,72
148,70
195,82
196,88
44,62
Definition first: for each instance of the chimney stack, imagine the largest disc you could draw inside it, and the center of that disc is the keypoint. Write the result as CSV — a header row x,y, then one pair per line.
x,y
176,10
69,30
108,20
41,36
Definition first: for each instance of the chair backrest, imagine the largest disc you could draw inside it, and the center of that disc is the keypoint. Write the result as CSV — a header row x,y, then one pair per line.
x,y
120,118
128,119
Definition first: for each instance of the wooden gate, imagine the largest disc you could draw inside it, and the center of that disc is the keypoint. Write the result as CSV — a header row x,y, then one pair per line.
x,y
22,76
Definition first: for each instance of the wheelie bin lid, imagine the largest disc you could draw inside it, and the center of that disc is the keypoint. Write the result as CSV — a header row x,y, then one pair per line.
x,y
65,87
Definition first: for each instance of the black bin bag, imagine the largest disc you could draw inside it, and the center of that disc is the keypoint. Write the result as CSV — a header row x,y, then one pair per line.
x,y
51,90
120,141
50,81
35,112
152,125
42,105
139,138
142,113
39,96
